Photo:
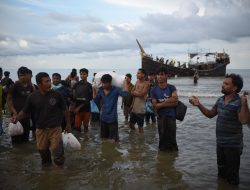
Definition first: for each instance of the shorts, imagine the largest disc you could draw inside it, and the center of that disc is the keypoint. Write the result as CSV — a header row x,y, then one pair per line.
x,y
137,118
109,130
126,111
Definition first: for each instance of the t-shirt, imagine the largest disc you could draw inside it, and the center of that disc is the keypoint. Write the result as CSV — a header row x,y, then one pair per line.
x,y
64,91
48,108
228,125
19,94
83,93
161,94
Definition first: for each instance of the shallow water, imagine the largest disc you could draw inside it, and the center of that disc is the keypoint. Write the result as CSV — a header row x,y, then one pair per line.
x,y
135,161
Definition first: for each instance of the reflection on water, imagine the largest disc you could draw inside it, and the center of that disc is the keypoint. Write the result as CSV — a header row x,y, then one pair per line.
x,y
133,163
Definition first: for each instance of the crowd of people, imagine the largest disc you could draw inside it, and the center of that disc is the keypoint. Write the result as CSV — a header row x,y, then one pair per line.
x,y
65,105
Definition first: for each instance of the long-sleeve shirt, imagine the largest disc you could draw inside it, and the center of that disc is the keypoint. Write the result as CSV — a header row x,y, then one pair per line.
x,y
108,111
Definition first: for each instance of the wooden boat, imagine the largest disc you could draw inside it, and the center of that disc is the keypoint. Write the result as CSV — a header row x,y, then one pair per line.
x,y
214,65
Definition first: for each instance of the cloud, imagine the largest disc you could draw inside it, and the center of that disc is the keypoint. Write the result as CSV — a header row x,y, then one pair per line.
x,y
162,6
88,24
169,29
23,43
153,29
92,27
212,7
61,17
226,7
74,33
187,9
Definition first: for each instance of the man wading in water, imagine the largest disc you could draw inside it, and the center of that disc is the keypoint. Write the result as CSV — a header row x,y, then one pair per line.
x,y
139,92
165,99
49,107
232,111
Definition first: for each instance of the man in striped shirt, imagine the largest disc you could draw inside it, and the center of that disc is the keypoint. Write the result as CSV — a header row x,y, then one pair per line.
x,y
232,111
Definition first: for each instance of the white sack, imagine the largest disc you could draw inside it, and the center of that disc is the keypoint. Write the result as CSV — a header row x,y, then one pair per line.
x,y
117,80
15,129
70,142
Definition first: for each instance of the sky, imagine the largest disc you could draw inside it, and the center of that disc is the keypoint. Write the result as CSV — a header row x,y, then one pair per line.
x,y
50,34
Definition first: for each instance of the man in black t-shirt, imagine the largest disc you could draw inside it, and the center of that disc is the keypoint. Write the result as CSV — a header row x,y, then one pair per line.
x,y
16,98
49,108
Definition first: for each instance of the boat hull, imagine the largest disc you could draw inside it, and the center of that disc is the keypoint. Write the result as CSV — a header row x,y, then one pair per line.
x,y
151,66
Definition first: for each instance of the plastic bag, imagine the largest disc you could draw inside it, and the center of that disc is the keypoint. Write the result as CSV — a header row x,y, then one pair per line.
x,y
15,129
149,106
94,108
70,142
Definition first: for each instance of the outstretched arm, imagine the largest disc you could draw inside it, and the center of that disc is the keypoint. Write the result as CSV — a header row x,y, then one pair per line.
x,y
208,113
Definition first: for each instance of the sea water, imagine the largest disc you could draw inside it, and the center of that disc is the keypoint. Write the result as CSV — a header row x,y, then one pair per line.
x,y
134,162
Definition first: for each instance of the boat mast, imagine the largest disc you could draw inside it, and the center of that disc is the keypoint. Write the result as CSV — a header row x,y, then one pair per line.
x,y
141,48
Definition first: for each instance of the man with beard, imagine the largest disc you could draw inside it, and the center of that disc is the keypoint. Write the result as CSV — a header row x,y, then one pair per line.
x,y
232,111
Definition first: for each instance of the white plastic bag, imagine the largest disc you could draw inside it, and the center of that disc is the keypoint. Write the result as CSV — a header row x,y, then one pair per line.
x,y
117,80
15,129
70,142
